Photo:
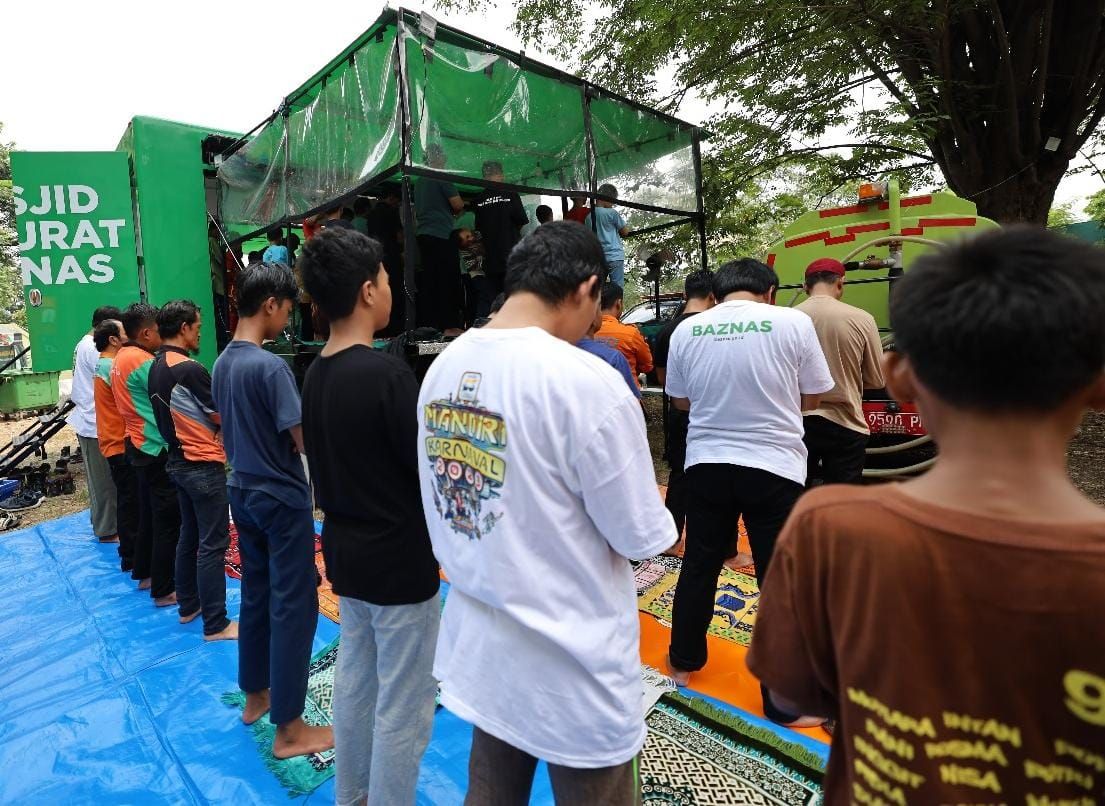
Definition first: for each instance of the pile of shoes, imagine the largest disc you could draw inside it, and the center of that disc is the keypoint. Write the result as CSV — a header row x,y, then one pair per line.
x,y
27,499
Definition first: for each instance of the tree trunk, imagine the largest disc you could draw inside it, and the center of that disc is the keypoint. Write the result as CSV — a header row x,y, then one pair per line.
x,y
1011,198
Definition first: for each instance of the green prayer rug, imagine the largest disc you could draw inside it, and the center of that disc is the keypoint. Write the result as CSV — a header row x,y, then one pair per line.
x,y
696,754
302,774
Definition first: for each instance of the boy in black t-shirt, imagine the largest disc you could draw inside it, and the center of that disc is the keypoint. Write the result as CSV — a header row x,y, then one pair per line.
x,y
374,540
499,219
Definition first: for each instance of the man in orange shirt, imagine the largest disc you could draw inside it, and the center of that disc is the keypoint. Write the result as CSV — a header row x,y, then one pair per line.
x,y
110,432
625,338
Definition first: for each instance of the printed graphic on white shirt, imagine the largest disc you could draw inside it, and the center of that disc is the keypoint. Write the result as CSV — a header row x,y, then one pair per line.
x,y
465,448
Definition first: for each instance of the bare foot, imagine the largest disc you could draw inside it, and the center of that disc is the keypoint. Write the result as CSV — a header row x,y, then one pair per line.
x,y
144,585
190,617
297,738
165,601
681,677
806,722
109,539
738,561
257,705
677,549
228,633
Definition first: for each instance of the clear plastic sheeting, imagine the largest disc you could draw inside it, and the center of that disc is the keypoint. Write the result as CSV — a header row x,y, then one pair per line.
x,y
464,102
251,180
348,133
469,106
330,143
643,155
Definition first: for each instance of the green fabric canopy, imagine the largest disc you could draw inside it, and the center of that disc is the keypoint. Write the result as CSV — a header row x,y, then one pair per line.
x,y
467,101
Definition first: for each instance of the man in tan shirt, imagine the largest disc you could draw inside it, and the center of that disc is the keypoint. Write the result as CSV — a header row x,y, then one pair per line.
x,y
836,431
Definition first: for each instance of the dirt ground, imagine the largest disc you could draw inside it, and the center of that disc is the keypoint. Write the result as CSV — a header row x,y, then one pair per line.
x,y
1087,460
60,505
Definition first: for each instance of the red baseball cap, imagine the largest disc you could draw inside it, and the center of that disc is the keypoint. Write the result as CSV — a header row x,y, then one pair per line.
x,y
825,264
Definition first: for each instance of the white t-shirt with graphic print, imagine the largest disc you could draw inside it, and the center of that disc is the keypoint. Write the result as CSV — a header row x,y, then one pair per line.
x,y
744,366
537,484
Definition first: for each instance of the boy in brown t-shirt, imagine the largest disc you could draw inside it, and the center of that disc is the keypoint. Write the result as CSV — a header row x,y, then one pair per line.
x,y
954,625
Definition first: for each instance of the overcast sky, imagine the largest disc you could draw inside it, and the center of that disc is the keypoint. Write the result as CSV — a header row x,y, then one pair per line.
x,y
75,72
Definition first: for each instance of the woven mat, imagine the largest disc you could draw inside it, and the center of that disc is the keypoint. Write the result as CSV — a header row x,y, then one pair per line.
x,y
697,753
302,774
327,599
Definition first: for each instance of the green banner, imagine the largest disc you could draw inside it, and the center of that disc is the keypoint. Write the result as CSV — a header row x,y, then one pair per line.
x,y
75,227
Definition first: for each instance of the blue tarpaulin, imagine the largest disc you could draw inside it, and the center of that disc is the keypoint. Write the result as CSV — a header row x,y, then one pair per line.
x,y
106,699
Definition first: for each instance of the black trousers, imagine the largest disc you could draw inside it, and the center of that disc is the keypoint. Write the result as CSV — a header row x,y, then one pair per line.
x,y
491,287
126,508
719,494
159,507
675,453
836,453
440,293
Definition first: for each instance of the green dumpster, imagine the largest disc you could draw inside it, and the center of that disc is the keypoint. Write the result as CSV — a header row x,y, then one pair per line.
x,y
23,391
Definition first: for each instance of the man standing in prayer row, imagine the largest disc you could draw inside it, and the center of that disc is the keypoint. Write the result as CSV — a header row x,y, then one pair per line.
x,y
698,289
626,339
540,644
158,511
101,489
111,433
374,539
180,391
836,432
745,370
258,405
1000,340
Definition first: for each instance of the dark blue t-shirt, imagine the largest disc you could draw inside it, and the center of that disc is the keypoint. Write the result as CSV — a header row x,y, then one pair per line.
x,y
612,357
258,402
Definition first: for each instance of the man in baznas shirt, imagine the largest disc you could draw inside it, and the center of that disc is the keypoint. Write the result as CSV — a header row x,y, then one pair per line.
x,y
378,554
499,219
745,369
539,645
270,501
180,391
953,624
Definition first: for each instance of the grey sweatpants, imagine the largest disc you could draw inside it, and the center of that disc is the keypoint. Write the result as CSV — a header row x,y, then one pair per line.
x,y
101,489
383,699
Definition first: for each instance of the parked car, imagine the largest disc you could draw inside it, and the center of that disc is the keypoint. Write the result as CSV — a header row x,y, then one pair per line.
x,y
650,319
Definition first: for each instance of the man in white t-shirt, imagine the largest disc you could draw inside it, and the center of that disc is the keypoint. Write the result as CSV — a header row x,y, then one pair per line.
x,y
101,489
533,463
746,370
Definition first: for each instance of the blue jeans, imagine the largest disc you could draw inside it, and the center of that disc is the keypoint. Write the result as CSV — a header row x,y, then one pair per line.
x,y
279,599
383,699
617,271
204,536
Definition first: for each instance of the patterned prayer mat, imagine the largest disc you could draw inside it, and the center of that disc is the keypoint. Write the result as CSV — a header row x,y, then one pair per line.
x,y
697,754
327,599
735,604
303,774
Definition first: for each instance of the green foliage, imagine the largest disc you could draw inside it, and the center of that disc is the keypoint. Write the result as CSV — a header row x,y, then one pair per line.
x,y
856,88
1061,215
11,284
1095,207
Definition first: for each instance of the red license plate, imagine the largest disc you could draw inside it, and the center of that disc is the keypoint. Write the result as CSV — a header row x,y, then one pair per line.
x,y
893,418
